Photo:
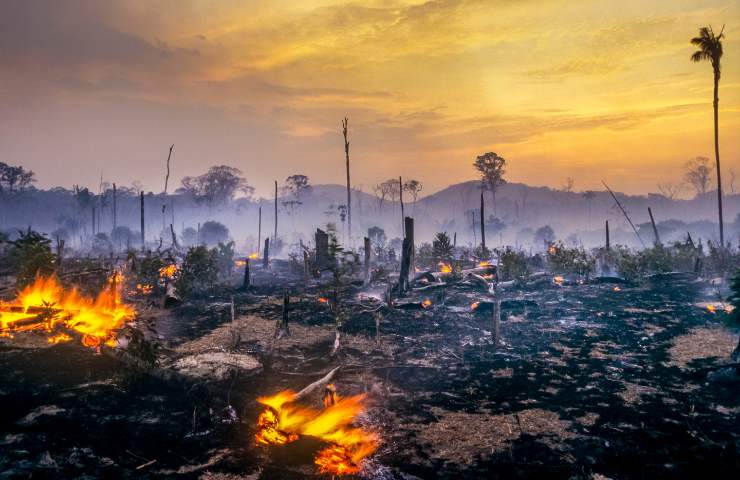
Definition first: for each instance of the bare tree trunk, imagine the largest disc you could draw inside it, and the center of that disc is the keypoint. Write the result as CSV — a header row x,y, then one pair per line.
x,y
607,235
716,155
115,208
141,196
266,255
482,221
400,197
406,253
655,229
246,283
259,231
349,195
174,237
93,221
496,321
274,234
367,260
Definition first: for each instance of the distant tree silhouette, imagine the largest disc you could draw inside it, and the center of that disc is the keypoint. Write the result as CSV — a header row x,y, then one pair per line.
x,y
698,172
710,48
218,185
491,168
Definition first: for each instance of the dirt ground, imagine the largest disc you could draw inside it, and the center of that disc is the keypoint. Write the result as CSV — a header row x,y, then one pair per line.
x,y
588,382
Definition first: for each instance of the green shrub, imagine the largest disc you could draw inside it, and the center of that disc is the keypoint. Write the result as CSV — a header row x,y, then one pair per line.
x,y
512,264
30,255
198,272
564,260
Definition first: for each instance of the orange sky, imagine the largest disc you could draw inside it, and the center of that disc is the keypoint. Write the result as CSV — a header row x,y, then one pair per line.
x,y
582,89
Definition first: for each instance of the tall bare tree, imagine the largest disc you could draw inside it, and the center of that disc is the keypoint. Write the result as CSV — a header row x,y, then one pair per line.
x,y
698,172
710,48
491,168
349,194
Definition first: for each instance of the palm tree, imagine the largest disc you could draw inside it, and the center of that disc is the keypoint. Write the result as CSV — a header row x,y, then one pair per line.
x,y
710,48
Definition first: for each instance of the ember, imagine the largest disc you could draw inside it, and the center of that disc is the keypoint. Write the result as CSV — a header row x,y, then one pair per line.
x,y
426,303
240,263
445,268
617,289
711,308
323,300
253,256
558,280
474,306
45,306
283,421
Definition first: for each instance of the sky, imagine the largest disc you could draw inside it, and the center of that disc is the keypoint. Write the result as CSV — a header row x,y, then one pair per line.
x,y
560,88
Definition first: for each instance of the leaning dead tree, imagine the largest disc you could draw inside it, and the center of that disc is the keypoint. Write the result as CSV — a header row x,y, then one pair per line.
x,y
619,204
349,195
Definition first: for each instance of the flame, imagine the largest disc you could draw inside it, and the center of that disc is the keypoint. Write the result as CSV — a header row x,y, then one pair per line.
x,y
45,306
711,308
254,255
240,263
558,280
484,263
552,250
426,303
445,268
143,289
323,300
617,289
283,421
474,306
168,271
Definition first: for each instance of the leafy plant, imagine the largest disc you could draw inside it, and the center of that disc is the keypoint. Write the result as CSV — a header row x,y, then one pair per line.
x,y
442,248
30,254
198,272
512,264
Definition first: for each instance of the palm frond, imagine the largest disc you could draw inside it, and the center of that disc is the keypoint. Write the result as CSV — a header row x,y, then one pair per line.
x,y
699,55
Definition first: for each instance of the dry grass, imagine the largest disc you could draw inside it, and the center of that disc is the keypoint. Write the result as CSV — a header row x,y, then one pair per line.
x,y
460,437
702,342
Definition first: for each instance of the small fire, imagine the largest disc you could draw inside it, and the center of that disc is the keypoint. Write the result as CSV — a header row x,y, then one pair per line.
x,y
168,271
552,250
45,306
143,289
474,306
445,268
283,421
711,308
426,303
617,289
323,300
254,255
558,280
240,263
484,263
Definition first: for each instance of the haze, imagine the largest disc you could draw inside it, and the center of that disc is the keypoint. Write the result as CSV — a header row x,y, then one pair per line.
x,y
588,90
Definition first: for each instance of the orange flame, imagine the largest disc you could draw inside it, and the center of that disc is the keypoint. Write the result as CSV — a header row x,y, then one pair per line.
x,y
445,268
323,300
484,263
711,308
474,306
168,271
45,306
240,263
426,303
254,255
283,421
552,250
617,289
558,280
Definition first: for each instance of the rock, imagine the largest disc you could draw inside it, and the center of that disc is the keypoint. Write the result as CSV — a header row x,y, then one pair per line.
x,y
215,365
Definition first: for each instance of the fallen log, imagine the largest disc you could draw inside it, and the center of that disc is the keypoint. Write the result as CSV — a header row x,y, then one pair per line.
x,y
317,384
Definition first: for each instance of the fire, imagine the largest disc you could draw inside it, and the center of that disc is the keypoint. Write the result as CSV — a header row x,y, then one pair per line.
x,y
552,250
711,308
445,268
254,255
617,289
484,263
240,263
143,289
426,303
45,306
168,272
283,421
323,300
474,306
558,280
